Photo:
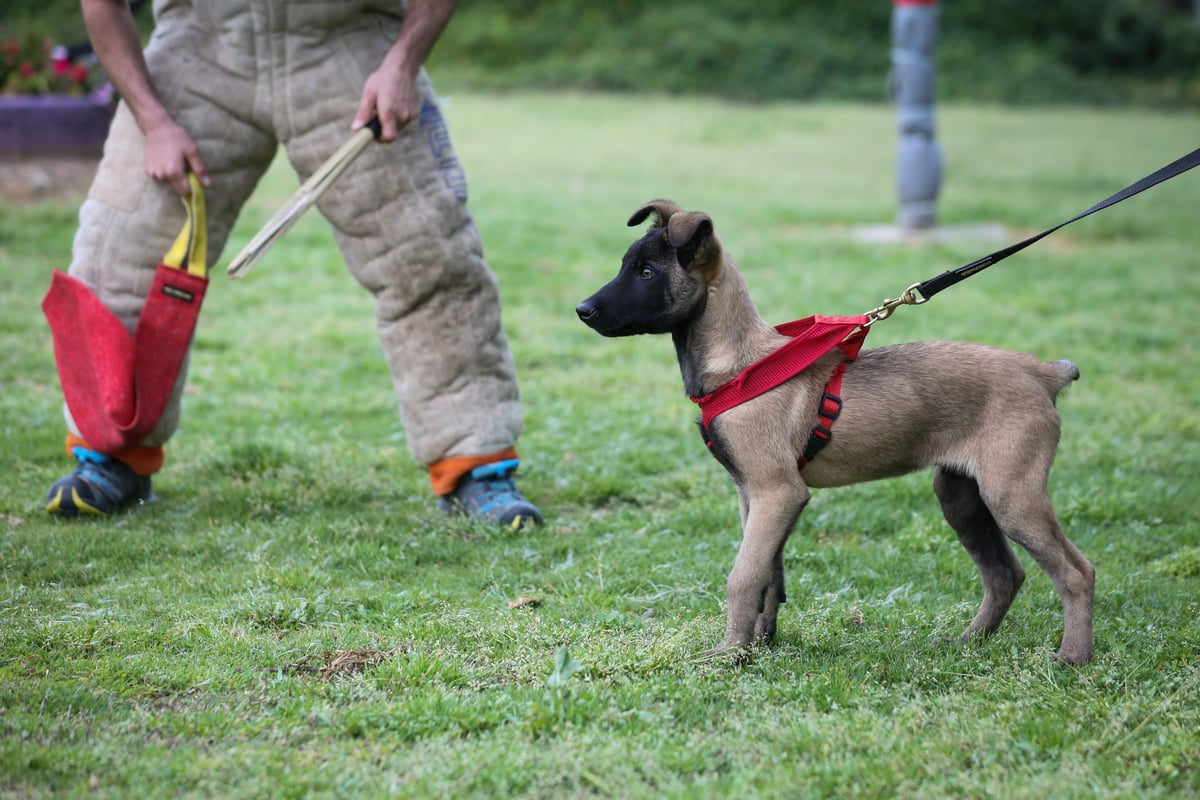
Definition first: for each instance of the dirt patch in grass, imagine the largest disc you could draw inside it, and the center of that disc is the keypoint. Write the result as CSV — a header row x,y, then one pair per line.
x,y
42,179
333,663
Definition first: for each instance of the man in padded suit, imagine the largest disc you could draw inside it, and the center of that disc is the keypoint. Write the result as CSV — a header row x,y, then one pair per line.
x,y
221,84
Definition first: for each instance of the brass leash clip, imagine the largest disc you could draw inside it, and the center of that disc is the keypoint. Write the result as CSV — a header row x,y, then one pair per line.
x,y
908,298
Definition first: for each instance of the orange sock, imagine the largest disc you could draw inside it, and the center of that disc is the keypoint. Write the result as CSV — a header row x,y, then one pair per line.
x,y
444,474
142,460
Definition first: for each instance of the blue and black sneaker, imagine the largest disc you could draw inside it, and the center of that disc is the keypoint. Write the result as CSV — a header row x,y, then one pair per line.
x,y
100,485
489,492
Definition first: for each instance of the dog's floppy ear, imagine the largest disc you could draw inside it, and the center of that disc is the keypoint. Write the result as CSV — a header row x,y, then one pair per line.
x,y
663,208
688,232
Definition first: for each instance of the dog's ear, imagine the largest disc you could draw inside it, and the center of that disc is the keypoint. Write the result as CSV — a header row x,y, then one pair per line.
x,y
664,209
688,232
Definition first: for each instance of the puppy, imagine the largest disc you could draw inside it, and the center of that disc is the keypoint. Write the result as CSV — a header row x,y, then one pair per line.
x,y
984,419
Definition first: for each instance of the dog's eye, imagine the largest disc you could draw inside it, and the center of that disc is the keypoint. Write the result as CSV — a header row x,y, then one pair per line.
x,y
647,273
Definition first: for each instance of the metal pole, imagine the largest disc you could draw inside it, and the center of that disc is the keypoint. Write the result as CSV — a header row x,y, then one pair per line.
x,y
919,159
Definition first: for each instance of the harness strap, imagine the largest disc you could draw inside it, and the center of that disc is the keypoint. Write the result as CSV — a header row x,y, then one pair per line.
x,y
829,410
811,338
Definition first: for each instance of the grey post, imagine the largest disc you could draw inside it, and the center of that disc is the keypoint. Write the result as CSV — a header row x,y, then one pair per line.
x,y
919,160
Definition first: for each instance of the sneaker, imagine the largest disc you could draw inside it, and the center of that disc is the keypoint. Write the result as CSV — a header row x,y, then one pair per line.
x,y
100,485
488,491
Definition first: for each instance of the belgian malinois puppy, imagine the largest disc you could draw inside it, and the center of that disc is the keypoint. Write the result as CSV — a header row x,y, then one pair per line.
x,y
984,419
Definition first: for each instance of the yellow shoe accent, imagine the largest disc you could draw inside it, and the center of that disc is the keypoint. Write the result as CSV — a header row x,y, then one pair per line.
x,y
84,507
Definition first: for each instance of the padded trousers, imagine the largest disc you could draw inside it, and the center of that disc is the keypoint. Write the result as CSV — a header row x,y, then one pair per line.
x,y
244,78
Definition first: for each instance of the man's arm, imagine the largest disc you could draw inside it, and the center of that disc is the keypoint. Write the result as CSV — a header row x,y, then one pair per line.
x,y
390,91
170,151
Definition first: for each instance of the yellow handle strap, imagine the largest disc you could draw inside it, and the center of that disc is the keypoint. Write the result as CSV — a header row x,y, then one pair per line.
x,y
190,251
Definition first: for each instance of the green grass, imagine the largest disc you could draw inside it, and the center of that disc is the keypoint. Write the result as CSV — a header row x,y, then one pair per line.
x,y
171,651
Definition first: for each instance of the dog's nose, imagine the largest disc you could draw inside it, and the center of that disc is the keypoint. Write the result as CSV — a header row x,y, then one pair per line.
x,y
585,310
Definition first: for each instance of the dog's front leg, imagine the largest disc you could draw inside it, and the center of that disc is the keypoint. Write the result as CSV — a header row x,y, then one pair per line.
x,y
755,586
775,596
764,626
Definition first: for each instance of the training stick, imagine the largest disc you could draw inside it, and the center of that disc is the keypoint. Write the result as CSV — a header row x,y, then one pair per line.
x,y
305,196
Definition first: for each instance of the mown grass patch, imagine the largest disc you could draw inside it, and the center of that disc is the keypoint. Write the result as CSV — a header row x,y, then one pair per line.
x,y
158,652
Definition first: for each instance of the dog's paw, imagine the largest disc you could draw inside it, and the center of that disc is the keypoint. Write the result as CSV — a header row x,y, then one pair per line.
x,y
1073,658
729,654
764,632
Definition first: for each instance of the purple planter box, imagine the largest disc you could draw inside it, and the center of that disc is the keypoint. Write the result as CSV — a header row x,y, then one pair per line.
x,y
36,125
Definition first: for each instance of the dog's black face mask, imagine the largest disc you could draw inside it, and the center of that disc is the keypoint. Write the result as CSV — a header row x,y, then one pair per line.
x,y
655,291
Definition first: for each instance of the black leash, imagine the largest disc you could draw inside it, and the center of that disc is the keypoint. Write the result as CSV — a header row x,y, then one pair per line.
x,y
921,292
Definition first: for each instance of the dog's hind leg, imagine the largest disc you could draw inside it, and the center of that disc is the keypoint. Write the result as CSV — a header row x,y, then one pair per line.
x,y
979,534
755,586
1024,512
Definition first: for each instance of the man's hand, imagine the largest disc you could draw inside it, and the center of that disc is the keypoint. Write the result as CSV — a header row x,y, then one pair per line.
x,y
170,151
171,154
391,90
391,94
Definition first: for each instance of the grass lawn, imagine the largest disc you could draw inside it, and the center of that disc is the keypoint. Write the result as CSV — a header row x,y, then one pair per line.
x,y
293,618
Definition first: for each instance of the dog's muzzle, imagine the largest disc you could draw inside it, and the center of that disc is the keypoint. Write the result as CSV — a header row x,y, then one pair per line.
x,y
587,311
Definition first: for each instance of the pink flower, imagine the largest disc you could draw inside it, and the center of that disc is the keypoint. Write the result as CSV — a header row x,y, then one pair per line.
x,y
79,73
61,66
26,69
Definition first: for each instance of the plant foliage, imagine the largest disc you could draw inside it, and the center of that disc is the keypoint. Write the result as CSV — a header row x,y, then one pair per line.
x,y
1019,51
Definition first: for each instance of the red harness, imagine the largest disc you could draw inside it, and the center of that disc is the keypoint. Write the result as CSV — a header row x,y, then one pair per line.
x,y
811,338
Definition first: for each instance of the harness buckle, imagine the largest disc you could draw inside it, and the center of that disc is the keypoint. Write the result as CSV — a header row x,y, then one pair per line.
x,y
820,436
828,400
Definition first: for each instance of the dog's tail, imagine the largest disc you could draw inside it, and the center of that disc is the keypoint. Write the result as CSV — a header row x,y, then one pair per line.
x,y
1060,374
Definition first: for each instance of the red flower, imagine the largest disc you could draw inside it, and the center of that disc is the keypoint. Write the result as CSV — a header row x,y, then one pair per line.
x,y
32,66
